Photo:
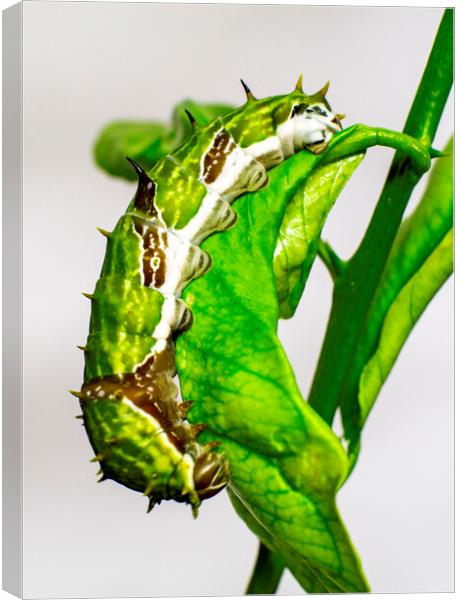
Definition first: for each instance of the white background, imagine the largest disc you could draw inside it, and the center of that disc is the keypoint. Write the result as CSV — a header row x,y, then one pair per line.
x,y
88,63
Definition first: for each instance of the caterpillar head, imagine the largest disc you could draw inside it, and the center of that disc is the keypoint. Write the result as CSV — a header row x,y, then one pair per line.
x,y
313,126
310,122
313,121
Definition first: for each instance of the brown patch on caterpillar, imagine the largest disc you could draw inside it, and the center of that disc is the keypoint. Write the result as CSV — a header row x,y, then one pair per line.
x,y
154,253
145,193
151,389
162,252
214,159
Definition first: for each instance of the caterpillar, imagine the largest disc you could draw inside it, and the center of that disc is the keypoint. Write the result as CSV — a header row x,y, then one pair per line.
x,y
135,423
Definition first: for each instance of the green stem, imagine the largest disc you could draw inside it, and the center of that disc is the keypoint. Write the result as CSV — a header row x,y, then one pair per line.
x,y
267,572
359,138
355,288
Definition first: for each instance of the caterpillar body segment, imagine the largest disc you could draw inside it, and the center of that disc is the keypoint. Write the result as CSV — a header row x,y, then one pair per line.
x,y
137,426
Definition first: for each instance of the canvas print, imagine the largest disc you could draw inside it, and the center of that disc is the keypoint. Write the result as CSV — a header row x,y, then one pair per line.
x,y
264,261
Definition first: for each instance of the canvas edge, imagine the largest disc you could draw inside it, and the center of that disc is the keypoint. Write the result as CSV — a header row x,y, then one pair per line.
x,y
12,388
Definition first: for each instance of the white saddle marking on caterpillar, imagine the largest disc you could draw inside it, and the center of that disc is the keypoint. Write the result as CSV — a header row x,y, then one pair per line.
x,y
269,152
172,312
214,214
182,263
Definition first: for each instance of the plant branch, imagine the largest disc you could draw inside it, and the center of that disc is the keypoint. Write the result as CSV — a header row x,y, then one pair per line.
x,y
358,138
354,290
267,572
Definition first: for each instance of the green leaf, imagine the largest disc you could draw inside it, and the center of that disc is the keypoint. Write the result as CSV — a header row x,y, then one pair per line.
x,y
312,577
203,114
419,263
267,573
287,464
305,215
405,310
337,373
408,283
147,142
308,208
419,235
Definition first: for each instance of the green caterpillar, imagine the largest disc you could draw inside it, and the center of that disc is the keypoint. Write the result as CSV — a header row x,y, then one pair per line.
x,y
136,425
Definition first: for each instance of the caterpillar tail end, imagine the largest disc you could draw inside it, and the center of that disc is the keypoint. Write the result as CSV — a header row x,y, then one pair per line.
x,y
211,474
